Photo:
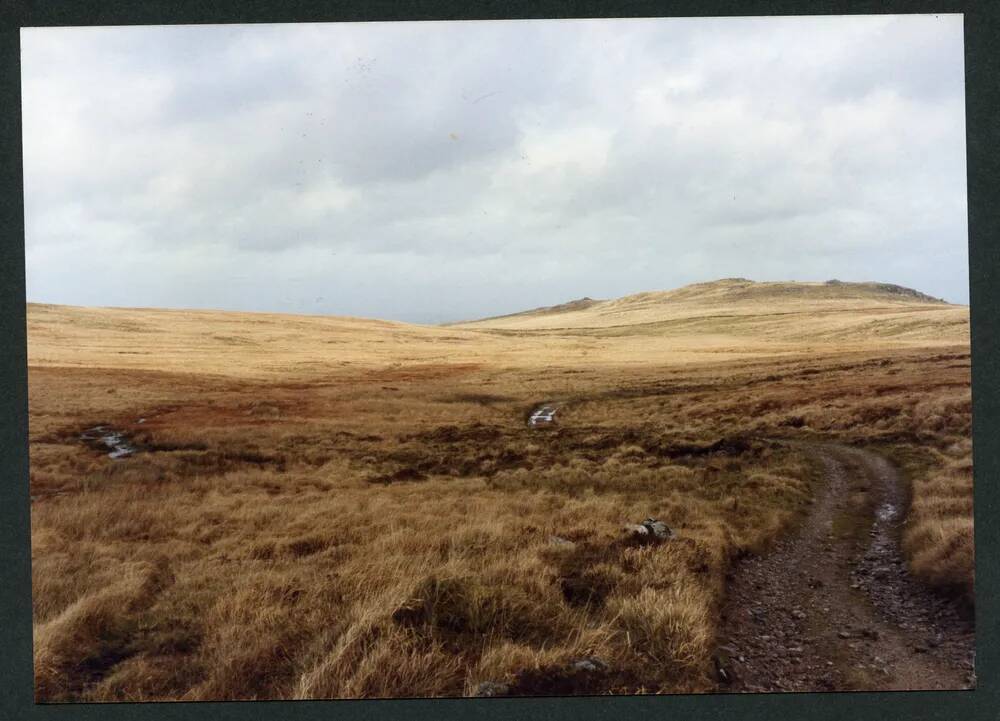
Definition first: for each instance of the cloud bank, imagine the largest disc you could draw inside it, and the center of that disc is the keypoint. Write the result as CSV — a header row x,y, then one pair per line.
x,y
436,171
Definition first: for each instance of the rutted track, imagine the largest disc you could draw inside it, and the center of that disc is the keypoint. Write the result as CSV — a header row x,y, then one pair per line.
x,y
832,607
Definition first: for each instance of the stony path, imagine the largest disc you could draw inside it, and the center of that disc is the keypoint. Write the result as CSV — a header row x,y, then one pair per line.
x,y
832,606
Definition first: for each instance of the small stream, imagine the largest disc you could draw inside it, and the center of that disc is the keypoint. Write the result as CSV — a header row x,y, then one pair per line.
x,y
116,443
542,415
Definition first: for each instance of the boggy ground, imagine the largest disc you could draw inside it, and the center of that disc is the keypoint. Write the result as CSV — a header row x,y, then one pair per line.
x,y
388,537
381,528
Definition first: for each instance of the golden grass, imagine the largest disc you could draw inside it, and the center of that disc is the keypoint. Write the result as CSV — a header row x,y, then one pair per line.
x,y
698,324
716,312
939,537
347,508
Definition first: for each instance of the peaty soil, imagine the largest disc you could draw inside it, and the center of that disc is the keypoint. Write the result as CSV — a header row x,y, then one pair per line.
x,y
832,607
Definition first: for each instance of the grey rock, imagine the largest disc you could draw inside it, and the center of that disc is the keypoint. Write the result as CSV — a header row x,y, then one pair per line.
x,y
658,529
491,688
649,531
636,532
590,664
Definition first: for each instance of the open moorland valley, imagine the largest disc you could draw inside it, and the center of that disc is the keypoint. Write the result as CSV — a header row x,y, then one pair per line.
x,y
734,486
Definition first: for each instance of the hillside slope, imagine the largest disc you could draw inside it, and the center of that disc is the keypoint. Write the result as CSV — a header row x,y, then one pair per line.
x,y
737,307
698,323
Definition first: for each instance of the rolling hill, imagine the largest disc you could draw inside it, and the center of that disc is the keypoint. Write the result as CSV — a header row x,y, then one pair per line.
x,y
718,320
803,311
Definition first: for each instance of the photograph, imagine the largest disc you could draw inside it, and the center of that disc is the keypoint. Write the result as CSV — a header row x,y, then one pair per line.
x,y
498,358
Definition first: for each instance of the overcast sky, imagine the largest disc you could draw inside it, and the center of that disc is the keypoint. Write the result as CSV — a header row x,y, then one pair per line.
x,y
436,171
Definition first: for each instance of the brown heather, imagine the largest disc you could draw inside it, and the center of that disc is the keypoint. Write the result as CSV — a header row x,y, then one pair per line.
x,y
330,507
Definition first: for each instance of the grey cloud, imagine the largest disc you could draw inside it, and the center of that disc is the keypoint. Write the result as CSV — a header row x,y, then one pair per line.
x,y
513,163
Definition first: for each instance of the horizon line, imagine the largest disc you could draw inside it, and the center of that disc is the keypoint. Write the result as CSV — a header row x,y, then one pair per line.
x,y
213,309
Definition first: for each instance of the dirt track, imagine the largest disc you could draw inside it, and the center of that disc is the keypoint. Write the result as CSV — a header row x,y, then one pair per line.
x,y
833,608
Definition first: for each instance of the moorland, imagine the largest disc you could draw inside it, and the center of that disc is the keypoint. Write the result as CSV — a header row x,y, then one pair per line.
x,y
233,505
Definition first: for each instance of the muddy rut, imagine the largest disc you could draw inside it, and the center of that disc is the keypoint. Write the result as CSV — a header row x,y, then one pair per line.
x,y
832,606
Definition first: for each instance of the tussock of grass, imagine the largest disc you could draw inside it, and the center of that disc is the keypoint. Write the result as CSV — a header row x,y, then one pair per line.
x,y
939,535
95,631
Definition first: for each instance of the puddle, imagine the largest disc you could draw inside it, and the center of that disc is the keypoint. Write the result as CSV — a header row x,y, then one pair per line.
x,y
887,512
105,438
542,415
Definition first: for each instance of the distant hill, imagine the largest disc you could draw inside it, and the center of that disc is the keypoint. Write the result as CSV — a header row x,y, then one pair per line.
x,y
573,305
725,319
728,297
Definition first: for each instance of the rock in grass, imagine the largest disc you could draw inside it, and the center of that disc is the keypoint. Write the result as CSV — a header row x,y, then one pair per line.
x,y
491,688
637,533
590,664
658,529
649,531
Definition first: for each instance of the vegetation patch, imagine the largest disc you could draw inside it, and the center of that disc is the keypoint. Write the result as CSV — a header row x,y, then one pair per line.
x,y
382,522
